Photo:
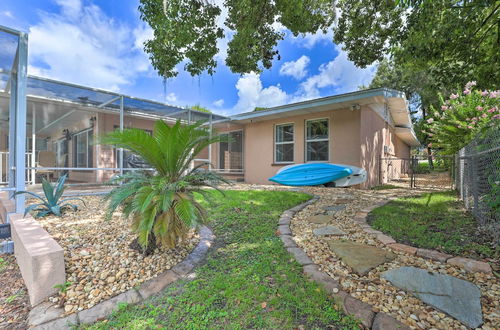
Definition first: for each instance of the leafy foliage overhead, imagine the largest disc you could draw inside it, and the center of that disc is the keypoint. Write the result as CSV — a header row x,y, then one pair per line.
x,y
451,40
188,30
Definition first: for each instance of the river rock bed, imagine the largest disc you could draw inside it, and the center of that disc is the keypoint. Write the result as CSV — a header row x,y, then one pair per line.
x,y
371,288
99,262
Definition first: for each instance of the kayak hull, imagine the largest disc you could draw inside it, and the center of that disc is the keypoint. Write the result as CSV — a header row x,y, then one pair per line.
x,y
358,176
311,174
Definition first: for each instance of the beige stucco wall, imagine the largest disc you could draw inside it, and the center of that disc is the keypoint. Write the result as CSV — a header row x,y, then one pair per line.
x,y
344,143
375,134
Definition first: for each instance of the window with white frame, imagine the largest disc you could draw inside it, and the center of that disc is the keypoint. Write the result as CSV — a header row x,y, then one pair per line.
x,y
82,149
284,142
317,140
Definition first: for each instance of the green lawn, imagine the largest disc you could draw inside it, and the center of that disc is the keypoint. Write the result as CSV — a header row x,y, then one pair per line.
x,y
434,221
248,281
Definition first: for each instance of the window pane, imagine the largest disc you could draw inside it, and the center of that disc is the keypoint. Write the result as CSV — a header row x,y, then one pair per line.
x,y
284,133
90,152
284,152
317,151
81,150
317,129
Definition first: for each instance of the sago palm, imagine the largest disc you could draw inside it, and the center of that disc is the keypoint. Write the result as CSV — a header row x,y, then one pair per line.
x,y
161,203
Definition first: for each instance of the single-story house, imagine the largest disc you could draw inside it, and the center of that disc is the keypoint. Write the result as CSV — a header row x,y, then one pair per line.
x,y
354,128
358,128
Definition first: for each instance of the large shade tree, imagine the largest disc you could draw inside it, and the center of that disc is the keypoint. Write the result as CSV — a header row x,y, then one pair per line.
x,y
452,41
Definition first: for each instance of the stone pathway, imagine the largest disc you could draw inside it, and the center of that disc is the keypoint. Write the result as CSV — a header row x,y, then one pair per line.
x,y
456,297
337,257
360,257
328,230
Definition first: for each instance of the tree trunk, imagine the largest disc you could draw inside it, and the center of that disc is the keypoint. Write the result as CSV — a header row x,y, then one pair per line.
x,y
429,158
149,250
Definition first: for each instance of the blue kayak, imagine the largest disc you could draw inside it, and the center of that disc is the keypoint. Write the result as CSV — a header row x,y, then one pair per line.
x,y
310,174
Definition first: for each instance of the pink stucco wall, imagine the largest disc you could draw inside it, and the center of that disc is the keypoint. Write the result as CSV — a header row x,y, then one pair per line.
x,y
356,138
376,134
259,142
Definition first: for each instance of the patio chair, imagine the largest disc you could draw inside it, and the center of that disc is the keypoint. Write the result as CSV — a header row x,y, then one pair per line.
x,y
46,158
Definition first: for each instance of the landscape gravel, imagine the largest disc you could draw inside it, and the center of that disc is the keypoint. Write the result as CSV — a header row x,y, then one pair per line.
x,y
99,262
370,288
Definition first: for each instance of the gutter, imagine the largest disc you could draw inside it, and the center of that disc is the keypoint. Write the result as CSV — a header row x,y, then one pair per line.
x,y
329,100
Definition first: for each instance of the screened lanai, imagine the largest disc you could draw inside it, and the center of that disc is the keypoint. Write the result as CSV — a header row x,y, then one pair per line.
x,y
63,119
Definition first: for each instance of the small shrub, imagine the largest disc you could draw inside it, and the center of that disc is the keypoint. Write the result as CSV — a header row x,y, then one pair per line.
x,y
51,202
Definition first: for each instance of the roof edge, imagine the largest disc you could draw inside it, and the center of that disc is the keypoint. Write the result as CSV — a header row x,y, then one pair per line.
x,y
339,98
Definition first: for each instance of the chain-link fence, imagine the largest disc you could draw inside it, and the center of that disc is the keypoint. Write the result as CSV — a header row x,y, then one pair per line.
x,y
477,179
426,172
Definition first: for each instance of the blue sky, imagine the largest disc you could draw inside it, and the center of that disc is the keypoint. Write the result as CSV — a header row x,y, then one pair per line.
x,y
98,43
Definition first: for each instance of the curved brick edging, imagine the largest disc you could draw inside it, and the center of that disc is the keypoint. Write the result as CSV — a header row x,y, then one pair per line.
x,y
350,305
468,264
46,316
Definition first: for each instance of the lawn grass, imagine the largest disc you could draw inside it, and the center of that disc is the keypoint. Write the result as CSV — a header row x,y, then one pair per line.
x,y
434,221
248,281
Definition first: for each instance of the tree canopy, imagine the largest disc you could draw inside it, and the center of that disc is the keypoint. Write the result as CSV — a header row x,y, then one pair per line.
x,y
453,41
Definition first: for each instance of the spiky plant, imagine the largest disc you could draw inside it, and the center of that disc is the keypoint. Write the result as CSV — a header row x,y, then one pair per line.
x,y
161,203
52,201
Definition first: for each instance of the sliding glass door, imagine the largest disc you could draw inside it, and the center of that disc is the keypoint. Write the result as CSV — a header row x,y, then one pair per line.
x,y
231,152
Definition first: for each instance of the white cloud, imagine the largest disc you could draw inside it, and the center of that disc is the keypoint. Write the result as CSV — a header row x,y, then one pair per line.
x,y
339,73
296,69
80,44
171,97
8,14
219,103
252,94
309,40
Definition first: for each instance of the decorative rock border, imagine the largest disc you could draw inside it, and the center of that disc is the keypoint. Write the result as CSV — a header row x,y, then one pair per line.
x,y
350,305
369,318
468,264
46,316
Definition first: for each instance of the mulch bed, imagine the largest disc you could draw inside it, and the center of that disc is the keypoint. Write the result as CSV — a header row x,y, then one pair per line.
x,y
14,301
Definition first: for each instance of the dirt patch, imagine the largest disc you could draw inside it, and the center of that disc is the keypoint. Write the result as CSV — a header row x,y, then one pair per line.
x,y
14,301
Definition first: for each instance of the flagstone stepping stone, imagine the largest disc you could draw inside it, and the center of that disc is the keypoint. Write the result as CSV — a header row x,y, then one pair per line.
x,y
456,297
328,230
334,208
343,201
360,257
320,219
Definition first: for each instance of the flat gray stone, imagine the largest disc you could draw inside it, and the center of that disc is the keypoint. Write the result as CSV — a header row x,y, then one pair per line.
x,y
284,230
103,309
43,313
323,279
288,241
334,208
156,284
360,257
383,321
458,298
68,322
183,268
343,200
301,257
328,230
320,219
